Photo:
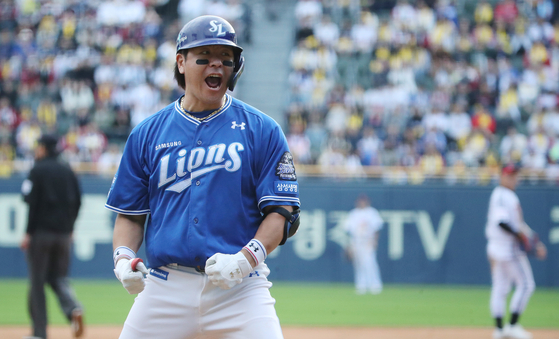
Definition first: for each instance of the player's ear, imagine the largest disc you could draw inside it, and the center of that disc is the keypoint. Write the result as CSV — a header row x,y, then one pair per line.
x,y
181,60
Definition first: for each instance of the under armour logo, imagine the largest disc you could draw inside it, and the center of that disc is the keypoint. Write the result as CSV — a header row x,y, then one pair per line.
x,y
254,247
255,273
234,125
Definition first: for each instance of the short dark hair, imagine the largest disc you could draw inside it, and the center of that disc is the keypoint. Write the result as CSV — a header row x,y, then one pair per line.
x,y
179,77
50,142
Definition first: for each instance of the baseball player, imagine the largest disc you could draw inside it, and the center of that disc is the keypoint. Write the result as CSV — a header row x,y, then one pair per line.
x,y
363,225
508,243
212,181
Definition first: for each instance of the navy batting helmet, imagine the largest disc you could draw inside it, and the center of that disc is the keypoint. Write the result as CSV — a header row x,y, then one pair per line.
x,y
212,30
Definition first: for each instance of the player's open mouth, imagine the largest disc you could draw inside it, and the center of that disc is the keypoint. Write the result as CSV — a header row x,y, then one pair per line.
x,y
213,81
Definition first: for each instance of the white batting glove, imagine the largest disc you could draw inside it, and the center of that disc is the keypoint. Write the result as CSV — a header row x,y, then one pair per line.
x,y
133,281
227,270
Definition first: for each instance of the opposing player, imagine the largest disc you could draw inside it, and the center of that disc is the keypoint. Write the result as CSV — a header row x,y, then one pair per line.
x,y
217,180
363,225
509,241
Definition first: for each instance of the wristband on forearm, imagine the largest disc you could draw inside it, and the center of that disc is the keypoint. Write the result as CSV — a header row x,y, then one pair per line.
x,y
123,252
257,251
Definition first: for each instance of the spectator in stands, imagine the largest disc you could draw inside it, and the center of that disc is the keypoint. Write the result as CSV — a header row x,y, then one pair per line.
x,y
507,11
539,142
533,160
483,120
513,146
353,165
8,116
308,13
459,126
475,148
109,160
435,120
390,155
483,12
327,32
404,15
337,118
369,148
317,135
299,143
550,122
431,162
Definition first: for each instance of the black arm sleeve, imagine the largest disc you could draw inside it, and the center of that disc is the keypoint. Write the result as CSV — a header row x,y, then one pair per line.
x,y
507,228
78,197
32,199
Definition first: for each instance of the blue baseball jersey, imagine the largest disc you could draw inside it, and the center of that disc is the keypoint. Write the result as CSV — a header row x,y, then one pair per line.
x,y
203,183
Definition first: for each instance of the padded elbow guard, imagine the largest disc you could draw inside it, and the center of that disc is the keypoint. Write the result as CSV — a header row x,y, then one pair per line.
x,y
292,221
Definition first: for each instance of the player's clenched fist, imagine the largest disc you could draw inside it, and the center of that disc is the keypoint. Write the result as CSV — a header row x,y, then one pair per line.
x,y
227,270
132,278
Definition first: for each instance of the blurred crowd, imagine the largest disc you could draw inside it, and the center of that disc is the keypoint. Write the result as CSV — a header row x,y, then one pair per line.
x,y
89,71
433,86
436,86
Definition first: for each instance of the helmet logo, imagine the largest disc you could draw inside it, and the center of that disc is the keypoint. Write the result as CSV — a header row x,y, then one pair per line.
x,y
216,27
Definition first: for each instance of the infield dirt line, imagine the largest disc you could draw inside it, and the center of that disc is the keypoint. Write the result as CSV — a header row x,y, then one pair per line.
x,y
295,332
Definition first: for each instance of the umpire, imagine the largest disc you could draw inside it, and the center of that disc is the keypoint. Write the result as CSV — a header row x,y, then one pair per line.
x,y
53,194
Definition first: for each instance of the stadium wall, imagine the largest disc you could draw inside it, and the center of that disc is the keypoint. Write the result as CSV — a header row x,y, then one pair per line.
x,y
433,234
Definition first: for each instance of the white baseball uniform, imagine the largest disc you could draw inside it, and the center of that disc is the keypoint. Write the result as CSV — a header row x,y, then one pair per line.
x,y
362,225
509,264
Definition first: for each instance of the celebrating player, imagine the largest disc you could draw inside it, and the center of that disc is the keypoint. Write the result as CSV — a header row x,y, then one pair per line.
x,y
509,240
217,179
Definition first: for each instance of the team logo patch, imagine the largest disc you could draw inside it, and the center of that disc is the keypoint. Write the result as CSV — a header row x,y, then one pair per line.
x,y
285,169
159,273
282,187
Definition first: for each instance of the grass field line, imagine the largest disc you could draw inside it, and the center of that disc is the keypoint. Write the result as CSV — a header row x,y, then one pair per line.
x,y
312,304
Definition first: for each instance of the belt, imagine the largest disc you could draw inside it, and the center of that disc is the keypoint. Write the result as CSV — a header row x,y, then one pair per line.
x,y
183,268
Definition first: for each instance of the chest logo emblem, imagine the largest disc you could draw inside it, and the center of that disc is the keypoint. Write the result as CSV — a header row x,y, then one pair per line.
x,y
235,125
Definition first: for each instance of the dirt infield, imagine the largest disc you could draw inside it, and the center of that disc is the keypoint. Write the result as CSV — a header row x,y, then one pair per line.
x,y
112,332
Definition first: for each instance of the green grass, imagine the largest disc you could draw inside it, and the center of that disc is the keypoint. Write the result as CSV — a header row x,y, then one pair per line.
x,y
403,305
106,302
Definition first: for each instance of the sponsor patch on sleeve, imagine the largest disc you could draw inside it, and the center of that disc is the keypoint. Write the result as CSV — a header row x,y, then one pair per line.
x,y
159,273
285,169
282,187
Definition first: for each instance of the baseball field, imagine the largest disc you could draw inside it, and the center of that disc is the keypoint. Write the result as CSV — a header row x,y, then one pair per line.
x,y
306,310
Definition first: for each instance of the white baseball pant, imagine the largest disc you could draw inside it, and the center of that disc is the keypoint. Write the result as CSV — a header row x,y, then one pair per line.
x,y
184,304
504,274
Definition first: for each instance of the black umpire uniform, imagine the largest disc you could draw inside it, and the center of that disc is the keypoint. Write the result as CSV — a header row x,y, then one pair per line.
x,y
54,197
